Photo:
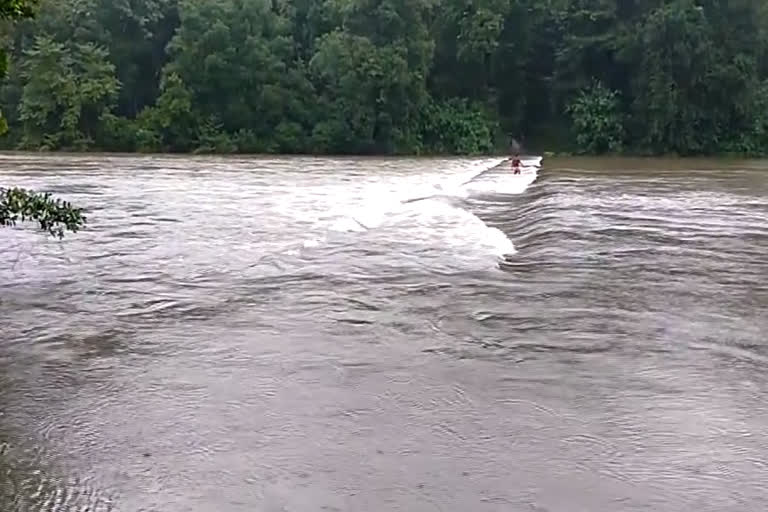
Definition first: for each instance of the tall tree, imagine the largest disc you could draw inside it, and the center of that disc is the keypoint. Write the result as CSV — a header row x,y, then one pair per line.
x,y
136,34
68,89
238,60
371,75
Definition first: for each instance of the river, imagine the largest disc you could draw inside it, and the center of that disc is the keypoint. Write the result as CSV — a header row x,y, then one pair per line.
x,y
291,334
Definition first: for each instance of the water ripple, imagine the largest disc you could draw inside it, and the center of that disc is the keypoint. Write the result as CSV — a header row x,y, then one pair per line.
x,y
402,334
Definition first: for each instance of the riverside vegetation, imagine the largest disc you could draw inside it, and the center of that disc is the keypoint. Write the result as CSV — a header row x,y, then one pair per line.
x,y
53,216
389,76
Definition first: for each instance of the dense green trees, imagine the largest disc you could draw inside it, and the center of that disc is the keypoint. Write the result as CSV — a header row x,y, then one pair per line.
x,y
390,76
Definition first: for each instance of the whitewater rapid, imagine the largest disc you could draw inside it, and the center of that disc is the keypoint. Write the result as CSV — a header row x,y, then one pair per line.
x,y
372,214
428,213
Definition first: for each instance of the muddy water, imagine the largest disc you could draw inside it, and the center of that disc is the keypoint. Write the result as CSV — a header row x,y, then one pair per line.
x,y
234,334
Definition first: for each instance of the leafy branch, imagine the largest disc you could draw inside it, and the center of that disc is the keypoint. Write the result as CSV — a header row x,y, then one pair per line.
x,y
17,9
53,215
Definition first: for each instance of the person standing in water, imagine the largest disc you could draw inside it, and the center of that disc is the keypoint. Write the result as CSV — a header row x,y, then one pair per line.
x,y
516,163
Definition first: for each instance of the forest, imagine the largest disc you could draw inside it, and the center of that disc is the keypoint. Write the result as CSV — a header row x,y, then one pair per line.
x,y
646,77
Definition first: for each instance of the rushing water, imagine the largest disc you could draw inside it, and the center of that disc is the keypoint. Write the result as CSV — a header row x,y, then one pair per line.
x,y
293,334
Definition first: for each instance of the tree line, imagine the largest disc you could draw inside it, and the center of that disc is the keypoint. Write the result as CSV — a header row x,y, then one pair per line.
x,y
389,76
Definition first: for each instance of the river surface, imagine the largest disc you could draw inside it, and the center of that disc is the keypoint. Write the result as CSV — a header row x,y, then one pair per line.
x,y
292,334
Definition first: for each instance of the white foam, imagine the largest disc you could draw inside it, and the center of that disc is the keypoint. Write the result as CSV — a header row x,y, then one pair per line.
x,y
421,214
445,224
502,183
314,242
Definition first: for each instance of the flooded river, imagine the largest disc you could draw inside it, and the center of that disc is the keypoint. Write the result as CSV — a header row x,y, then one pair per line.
x,y
295,334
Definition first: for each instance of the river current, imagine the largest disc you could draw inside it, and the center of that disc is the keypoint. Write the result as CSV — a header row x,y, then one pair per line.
x,y
384,334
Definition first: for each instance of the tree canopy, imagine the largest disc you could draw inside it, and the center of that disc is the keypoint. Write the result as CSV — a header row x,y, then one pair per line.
x,y
388,76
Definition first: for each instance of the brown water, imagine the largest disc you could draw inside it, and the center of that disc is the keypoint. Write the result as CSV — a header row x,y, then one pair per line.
x,y
288,335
